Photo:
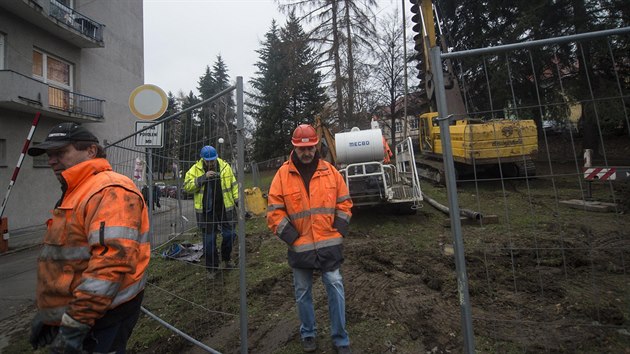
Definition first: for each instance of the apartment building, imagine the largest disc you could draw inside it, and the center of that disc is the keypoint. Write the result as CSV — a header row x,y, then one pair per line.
x,y
70,60
417,104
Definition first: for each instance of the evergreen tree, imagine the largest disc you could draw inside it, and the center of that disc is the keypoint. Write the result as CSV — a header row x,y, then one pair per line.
x,y
165,157
287,86
218,118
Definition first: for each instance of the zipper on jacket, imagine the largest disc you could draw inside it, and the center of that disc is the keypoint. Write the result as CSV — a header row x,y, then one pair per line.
x,y
101,238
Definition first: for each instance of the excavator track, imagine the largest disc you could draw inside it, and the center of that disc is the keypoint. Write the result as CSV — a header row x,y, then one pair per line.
x,y
526,168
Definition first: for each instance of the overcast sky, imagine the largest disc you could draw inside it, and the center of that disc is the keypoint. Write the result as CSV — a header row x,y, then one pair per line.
x,y
182,37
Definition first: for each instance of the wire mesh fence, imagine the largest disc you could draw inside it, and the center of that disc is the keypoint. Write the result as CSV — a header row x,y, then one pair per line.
x,y
548,261
172,179
545,260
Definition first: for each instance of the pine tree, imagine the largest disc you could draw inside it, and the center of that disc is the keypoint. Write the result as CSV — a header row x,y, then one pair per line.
x,y
287,86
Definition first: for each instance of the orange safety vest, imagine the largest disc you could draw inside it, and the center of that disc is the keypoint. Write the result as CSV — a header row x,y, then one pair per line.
x,y
96,249
310,223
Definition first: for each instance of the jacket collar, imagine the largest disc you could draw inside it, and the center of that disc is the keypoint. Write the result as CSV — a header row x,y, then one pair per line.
x,y
78,173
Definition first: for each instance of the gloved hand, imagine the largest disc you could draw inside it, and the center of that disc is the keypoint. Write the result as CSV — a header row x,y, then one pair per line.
x,y
41,334
70,337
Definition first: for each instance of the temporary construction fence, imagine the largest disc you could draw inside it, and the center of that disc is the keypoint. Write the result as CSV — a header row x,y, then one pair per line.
x,y
160,173
560,267
538,265
550,270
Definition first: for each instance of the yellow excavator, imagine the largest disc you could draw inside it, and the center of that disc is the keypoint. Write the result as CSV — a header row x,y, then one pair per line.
x,y
478,145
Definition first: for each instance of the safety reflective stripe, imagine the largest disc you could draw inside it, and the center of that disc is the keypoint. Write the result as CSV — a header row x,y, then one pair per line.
x,y
112,232
144,238
320,244
50,252
130,292
52,314
272,207
343,198
283,223
99,287
312,211
342,215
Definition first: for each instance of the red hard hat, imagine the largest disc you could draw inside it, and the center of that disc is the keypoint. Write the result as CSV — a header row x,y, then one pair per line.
x,y
304,135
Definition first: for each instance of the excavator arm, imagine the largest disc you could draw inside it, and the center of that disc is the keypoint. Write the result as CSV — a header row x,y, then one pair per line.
x,y
425,40
326,143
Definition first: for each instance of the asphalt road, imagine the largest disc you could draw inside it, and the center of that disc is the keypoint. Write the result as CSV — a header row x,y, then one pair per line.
x,y
17,281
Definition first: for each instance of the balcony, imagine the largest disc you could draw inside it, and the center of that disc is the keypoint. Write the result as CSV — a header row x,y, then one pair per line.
x,y
60,20
25,94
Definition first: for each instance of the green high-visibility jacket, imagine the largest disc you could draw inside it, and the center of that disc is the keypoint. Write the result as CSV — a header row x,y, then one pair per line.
x,y
229,187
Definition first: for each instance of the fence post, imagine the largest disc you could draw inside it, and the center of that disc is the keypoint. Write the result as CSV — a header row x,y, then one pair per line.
x,y
240,166
588,162
451,189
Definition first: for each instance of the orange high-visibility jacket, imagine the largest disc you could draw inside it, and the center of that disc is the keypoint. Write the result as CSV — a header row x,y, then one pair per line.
x,y
96,249
313,224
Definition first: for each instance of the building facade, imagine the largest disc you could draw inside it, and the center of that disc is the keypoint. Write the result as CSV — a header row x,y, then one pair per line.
x,y
70,60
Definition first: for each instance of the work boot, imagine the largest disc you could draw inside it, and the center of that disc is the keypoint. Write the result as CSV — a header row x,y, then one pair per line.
x,y
309,344
344,349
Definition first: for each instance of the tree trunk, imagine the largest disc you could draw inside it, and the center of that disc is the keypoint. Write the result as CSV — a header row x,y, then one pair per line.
x,y
589,120
338,78
350,113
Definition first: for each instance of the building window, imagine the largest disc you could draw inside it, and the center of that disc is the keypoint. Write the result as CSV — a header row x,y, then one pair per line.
x,y
399,126
2,51
3,152
414,123
57,73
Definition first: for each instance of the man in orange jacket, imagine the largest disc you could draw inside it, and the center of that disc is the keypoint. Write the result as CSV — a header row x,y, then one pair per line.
x,y
309,209
92,267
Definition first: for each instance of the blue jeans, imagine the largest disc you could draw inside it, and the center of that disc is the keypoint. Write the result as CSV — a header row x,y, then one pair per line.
x,y
333,282
210,252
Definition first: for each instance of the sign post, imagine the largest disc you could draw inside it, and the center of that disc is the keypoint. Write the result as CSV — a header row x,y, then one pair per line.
x,y
149,102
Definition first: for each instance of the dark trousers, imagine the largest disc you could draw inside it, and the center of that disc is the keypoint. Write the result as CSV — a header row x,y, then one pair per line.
x,y
209,230
111,333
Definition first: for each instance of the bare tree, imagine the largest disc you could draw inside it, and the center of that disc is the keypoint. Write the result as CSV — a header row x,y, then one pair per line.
x,y
388,66
339,26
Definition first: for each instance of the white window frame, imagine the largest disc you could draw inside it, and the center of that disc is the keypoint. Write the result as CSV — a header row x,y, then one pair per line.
x,y
398,126
2,50
44,77
414,124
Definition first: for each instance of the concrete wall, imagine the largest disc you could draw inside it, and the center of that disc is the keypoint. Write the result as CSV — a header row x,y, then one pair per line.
x,y
108,73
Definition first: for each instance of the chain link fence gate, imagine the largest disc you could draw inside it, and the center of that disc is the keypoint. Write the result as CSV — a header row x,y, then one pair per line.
x,y
175,281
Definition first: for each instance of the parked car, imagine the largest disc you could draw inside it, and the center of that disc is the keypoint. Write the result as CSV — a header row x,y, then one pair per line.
x,y
161,186
171,192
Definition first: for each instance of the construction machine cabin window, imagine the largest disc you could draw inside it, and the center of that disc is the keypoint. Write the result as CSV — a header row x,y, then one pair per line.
x,y
57,73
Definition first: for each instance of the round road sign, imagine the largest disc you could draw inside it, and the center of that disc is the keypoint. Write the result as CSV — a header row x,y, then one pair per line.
x,y
148,102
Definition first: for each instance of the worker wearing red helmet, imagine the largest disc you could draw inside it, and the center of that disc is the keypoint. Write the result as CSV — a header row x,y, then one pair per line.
x,y
309,209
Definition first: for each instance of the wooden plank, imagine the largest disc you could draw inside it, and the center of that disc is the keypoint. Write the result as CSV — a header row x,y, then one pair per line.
x,y
601,207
